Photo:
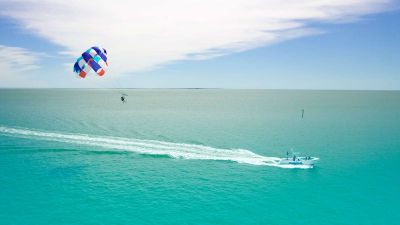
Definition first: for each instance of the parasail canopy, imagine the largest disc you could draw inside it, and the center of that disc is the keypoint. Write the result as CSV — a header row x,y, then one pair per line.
x,y
95,58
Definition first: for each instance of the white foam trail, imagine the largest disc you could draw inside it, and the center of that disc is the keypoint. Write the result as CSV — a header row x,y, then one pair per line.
x,y
151,147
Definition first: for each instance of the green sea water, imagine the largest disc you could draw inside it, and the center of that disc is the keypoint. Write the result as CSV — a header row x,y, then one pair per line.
x,y
76,156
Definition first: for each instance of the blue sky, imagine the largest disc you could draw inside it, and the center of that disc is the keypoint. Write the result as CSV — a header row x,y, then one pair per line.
x,y
342,45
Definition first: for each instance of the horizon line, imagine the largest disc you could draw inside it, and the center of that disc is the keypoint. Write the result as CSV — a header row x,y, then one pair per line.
x,y
199,88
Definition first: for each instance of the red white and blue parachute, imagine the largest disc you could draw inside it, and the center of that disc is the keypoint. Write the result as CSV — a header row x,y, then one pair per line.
x,y
95,58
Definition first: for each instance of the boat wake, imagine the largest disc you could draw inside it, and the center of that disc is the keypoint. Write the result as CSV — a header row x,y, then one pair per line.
x,y
151,147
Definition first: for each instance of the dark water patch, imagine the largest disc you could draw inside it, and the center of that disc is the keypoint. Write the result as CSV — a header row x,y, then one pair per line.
x,y
67,171
103,152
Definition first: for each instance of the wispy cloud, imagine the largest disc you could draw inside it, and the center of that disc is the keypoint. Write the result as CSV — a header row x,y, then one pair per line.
x,y
18,59
140,35
15,62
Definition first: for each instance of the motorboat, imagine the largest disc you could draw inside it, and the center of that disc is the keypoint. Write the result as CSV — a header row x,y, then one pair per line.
x,y
293,159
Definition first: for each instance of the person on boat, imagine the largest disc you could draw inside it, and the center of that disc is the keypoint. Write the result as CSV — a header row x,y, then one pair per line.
x,y
123,99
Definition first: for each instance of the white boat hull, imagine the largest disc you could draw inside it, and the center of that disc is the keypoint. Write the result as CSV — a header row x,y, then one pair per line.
x,y
310,161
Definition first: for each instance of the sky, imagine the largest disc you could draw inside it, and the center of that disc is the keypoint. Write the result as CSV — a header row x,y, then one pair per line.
x,y
244,44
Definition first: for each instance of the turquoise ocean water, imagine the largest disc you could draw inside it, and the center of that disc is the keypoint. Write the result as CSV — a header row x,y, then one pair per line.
x,y
76,156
